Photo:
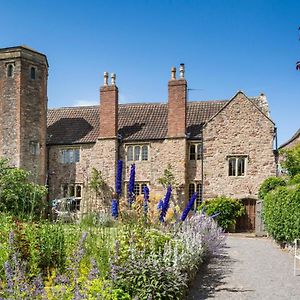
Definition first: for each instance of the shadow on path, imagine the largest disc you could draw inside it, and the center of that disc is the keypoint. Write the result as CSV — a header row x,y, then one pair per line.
x,y
211,277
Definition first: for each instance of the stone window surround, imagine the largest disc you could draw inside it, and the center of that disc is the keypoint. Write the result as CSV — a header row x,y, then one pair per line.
x,y
10,64
141,145
32,75
140,183
34,147
237,157
75,160
198,150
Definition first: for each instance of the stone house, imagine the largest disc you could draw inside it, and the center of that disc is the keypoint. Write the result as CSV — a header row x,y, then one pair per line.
x,y
221,147
292,142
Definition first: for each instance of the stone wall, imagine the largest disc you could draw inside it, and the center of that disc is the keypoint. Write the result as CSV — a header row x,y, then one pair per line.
x,y
239,129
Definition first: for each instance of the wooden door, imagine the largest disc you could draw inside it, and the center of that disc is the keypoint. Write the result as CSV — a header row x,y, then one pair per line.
x,y
247,221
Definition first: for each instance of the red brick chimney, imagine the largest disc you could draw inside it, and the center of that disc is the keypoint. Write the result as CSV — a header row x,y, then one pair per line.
x,y
177,98
109,108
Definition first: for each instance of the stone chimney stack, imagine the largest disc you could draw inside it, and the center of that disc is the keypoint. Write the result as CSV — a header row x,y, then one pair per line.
x,y
109,94
177,98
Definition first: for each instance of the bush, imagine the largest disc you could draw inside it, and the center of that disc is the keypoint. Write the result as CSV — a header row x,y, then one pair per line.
x,y
282,213
228,210
292,160
18,196
270,184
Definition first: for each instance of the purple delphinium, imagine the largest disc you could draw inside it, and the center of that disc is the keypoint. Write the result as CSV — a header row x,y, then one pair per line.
x,y
165,205
115,208
146,199
131,185
94,272
119,178
189,206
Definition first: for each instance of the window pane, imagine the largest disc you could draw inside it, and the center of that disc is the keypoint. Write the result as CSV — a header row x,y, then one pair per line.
x,y
145,153
32,73
232,167
199,194
71,191
241,166
130,153
137,190
77,155
137,151
10,71
199,150
191,189
78,191
192,152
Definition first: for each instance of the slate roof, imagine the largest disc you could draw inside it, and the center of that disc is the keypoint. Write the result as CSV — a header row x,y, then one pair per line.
x,y
296,135
137,122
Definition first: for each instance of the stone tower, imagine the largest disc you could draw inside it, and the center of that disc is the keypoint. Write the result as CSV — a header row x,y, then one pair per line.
x,y
23,109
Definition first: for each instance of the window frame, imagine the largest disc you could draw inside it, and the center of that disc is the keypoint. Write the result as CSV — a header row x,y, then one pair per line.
x,y
140,188
197,187
198,152
68,155
32,72
10,70
65,192
34,148
137,152
235,170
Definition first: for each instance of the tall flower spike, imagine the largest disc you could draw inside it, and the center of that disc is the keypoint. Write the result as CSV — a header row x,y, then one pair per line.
x,y
131,185
165,205
188,207
115,208
119,178
146,199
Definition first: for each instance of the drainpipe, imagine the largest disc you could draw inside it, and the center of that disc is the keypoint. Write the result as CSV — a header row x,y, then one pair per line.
x,y
202,165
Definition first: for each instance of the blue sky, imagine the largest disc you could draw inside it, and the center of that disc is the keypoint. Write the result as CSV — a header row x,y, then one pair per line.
x,y
226,46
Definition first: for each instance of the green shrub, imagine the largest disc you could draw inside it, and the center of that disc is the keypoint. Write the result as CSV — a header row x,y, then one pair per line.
x,y
18,196
269,184
294,180
281,213
292,160
228,210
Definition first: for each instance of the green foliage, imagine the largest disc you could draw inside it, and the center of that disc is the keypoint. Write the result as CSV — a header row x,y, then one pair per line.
x,y
168,178
294,180
229,210
292,160
97,182
282,213
270,184
18,196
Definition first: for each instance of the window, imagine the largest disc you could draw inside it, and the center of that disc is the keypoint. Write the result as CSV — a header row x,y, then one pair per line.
x,y
33,73
34,148
72,190
236,166
138,188
137,152
69,156
10,70
195,151
196,187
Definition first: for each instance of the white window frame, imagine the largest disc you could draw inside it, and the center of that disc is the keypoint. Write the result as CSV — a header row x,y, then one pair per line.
x,y
66,192
198,187
34,147
236,159
140,183
198,151
68,155
138,153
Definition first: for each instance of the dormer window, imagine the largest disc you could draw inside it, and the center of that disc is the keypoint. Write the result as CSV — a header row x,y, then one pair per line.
x,y
10,70
33,73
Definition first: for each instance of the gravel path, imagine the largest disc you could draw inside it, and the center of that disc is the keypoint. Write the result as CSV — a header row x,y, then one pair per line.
x,y
248,268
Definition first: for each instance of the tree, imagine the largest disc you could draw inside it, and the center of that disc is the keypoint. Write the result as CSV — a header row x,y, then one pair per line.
x,y
292,160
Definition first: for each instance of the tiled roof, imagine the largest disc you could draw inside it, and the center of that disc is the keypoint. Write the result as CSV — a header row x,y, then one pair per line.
x,y
73,125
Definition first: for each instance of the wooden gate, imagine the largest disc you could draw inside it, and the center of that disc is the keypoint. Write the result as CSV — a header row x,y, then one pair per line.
x,y
247,221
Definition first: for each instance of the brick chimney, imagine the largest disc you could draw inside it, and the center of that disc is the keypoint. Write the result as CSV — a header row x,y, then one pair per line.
x,y
109,108
177,98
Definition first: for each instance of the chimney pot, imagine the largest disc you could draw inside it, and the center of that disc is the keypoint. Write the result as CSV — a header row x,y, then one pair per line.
x,y
173,73
105,78
181,71
113,78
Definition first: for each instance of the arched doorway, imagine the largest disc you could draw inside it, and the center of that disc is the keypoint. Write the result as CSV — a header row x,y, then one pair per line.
x,y
247,221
